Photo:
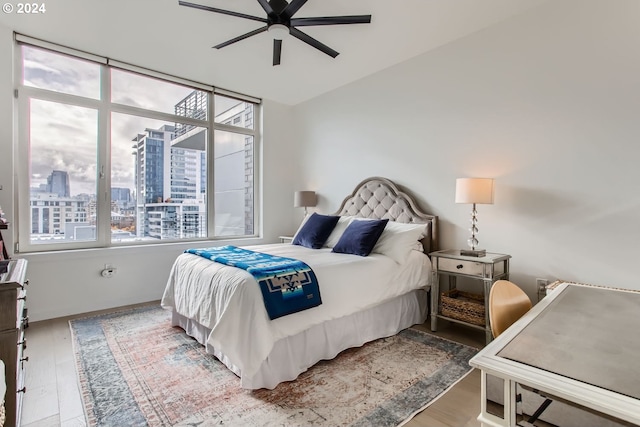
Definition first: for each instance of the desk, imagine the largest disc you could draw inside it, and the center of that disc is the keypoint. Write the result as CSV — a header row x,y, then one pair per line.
x,y
579,344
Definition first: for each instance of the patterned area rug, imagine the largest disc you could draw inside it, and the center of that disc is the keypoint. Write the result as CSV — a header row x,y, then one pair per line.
x,y
137,370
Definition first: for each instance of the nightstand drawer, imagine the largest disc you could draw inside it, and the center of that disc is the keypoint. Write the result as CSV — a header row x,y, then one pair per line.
x,y
461,266
470,268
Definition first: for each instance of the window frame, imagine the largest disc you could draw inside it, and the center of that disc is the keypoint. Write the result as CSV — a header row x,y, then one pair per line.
x,y
104,108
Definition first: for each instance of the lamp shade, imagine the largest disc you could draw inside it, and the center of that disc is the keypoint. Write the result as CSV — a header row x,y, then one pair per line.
x,y
474,190
304,199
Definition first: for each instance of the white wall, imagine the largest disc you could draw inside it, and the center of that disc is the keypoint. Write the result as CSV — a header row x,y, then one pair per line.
x,y
66,283
547,103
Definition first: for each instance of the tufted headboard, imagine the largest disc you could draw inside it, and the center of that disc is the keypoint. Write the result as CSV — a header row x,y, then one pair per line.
x,y
380,198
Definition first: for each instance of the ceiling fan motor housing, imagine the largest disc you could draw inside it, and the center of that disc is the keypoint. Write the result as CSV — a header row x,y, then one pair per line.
x,y
280,23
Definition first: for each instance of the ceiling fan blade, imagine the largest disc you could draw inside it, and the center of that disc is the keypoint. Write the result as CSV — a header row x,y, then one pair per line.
x,y
266,6
293,7
331,20
224,12
313,42
277,51
242,37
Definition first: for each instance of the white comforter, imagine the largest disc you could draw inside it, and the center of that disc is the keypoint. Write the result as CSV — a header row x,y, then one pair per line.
x,y
228,300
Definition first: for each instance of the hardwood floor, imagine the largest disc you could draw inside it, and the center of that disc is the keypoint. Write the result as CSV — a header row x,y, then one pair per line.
x,y
53,397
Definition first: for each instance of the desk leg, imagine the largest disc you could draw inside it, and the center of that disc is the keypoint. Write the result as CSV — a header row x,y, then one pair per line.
x,y
493,418
510,402
435,292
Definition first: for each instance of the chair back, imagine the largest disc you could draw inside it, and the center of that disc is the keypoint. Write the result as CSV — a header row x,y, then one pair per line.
x,y
507,303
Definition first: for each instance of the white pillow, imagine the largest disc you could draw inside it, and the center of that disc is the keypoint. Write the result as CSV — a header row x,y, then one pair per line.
x,y
399,239
337,232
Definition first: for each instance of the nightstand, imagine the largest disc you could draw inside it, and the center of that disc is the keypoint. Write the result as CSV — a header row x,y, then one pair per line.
x,y
285,239
483,270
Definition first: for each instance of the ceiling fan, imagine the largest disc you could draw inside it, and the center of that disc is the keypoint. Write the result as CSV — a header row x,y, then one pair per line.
x,y
280,22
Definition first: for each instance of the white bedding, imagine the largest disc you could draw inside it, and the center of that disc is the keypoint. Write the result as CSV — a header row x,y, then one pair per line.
x,y
228,301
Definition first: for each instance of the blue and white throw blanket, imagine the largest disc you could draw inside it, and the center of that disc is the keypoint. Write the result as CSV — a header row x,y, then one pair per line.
x,y
288,285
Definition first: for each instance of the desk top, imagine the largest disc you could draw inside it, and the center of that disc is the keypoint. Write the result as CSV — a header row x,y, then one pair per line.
x,y
588,334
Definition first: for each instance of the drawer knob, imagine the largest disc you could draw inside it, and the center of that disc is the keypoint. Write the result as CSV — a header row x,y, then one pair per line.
x,y
24,298
25,359
23,343
459,266
22,390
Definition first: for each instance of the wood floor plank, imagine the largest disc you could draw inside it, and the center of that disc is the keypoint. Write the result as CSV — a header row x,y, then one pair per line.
x,y
40,400
62,339
69,399
51,421
40,403
74,422
459,406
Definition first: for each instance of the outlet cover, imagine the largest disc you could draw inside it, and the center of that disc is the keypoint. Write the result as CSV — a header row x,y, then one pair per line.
x,y
541,283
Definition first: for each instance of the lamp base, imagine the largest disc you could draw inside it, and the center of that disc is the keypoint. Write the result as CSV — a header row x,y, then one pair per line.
x,y
473,252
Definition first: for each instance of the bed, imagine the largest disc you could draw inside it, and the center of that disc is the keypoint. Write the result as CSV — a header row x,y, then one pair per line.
x,y
363,297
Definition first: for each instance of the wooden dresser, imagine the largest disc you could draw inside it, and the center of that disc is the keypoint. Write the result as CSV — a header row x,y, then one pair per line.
x,y
13,321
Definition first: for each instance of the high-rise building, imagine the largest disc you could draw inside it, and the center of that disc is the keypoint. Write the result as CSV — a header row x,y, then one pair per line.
x,y
165,172
167,177
58,183
120,195
185,174
153,151
194,106
233,157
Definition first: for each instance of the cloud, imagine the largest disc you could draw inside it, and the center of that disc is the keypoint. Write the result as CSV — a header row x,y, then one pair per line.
x,y
47,70
146,92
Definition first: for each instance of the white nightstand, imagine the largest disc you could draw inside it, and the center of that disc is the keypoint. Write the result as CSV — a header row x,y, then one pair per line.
x,y
485,270
285,239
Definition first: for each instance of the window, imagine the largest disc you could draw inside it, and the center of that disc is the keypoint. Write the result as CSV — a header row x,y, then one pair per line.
x,y
129,158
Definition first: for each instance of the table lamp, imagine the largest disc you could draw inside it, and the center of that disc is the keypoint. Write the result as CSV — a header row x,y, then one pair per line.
x,y
474,191
304,199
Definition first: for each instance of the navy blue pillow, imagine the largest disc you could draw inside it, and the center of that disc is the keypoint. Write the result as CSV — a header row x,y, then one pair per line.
x,y
316,231
360,237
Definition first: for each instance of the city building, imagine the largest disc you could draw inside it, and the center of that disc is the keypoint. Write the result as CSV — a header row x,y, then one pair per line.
x,y
58,183
233,153
51,212
122,196
166,177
